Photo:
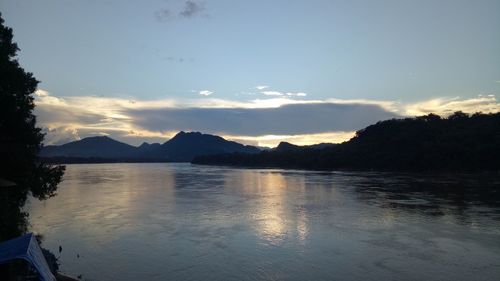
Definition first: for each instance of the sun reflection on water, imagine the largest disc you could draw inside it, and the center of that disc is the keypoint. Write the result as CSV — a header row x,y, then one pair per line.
x,y
272,218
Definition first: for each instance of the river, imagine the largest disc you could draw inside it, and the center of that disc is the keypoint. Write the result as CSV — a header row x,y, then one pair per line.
x,y
187,222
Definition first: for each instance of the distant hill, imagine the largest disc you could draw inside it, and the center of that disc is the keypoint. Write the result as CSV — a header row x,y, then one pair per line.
x,y
183,147
460,142
286,146
148,146
100,146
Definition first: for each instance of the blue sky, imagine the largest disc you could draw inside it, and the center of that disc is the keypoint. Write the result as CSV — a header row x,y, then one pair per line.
x,y
440,53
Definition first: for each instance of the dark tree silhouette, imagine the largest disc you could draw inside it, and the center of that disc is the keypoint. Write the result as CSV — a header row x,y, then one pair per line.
x,y
20,141
426,143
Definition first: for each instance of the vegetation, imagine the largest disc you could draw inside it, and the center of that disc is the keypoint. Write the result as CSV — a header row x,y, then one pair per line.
x,y
460,142
20,141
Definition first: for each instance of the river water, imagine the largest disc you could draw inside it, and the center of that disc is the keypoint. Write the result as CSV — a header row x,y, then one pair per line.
x,y
189,222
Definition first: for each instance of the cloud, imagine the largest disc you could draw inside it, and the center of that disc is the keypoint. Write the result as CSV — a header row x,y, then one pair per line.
x,y
205,93
175,59
271,93
296,94
41,93
287,119
60,135
446,106
72,118
300,139
260,121
191,8
261,87
283,94
164,15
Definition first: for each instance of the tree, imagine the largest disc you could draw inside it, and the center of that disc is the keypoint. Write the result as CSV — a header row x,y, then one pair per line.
x,y
20,141
426,143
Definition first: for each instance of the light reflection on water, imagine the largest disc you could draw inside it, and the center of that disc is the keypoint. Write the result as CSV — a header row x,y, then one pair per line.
x,y
185,222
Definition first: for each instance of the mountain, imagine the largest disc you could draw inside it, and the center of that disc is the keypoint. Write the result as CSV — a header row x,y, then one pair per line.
x,y
459,142
286,146
99,147
183,147
147,147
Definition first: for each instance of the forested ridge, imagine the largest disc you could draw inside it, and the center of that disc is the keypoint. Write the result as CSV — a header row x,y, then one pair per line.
x,y
460,142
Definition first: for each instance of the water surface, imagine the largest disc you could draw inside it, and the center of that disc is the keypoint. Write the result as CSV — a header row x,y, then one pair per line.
x,y
188,222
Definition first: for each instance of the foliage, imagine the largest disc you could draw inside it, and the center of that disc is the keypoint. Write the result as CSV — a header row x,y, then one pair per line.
x,y
20,141
460,142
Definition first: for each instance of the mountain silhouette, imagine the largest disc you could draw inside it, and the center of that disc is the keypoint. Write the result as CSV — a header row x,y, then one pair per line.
x,y
147,147
183,147
99,146
286,146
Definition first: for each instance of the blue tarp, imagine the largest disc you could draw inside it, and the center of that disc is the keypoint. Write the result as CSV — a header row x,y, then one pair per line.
x,y
26,248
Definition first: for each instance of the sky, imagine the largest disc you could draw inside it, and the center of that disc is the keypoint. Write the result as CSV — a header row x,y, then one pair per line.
x,y
258,72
